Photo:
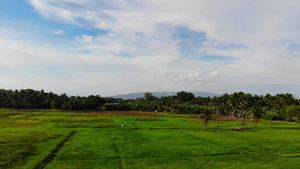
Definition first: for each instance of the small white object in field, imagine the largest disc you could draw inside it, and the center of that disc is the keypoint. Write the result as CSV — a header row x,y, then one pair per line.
x,y
122,125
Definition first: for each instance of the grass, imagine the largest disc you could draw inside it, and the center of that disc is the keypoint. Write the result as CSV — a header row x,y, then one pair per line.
x,y
29,139
149,119
15,147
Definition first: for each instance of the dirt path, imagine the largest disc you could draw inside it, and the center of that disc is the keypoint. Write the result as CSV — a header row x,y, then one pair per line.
x,y
53,154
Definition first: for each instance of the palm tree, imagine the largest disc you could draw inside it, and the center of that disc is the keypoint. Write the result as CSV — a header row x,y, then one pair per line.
x,y
246,102
257,108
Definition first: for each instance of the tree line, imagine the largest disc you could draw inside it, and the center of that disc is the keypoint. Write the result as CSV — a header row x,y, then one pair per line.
x,y
32,99
235,105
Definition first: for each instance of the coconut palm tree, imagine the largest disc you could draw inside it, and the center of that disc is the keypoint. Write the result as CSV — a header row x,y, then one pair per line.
x,y
246,102
257,108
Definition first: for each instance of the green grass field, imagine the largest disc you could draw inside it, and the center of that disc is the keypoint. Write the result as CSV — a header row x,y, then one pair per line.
x,y
54,139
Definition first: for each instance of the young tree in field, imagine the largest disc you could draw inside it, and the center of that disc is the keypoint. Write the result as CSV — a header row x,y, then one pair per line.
x,y
257,113
246,103
256,108
205,114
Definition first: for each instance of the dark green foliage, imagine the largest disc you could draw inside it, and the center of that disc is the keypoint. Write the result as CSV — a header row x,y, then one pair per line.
x,y
185,96
66,106
31,99
111,100
290,113
93,102
201,101
293,113
282,113
149,96
238,105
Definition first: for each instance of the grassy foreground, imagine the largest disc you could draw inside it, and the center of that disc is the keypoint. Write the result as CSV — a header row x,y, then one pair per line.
x,y
53,139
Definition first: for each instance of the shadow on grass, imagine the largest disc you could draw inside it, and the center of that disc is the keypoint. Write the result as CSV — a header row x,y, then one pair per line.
x,y
239,129
289,128
53,154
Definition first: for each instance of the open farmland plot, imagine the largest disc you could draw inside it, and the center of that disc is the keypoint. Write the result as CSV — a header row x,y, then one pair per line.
x,y
146,140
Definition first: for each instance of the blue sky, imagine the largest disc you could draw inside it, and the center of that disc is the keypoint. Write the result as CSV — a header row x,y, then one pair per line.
x,y
21,16
111,47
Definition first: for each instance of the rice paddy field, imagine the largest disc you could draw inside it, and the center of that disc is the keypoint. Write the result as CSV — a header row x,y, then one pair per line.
x,y
55,139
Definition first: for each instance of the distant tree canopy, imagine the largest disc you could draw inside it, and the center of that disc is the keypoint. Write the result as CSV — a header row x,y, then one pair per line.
x,y
185,96
239,105
31,99
149,96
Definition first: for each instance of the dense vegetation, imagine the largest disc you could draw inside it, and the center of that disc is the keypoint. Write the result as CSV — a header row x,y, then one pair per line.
x,y
238,105
31,99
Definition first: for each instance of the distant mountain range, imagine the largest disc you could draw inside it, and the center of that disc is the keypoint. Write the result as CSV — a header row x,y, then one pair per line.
x,y
163,94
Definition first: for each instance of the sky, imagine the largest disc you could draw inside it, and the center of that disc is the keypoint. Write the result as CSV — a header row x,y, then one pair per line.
x,y
111,47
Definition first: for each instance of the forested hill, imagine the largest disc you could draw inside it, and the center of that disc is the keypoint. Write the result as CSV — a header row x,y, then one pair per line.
x,y
163,94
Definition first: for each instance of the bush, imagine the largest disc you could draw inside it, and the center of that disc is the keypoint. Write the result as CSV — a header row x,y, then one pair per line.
x,y
293,113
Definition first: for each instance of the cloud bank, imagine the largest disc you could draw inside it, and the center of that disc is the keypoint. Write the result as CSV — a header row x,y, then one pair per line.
x,y
153,45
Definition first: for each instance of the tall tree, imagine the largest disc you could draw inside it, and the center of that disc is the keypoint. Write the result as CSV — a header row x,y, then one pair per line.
x,y
185,96
149,96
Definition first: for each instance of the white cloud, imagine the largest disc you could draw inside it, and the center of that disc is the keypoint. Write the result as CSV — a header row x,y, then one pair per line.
x,y
190,79
234,21
58,32
84,39
139,42
45,8
214,74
